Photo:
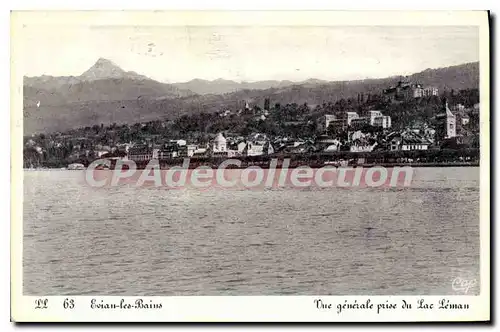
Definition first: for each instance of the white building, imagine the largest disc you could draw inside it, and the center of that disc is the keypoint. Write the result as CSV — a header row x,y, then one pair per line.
x,y
225,113
362,147
409,141
333,147
100,153
191,149
241,146
420,91
459,108
328,118
377,119
476,108
253,148
383,121
179,142
219,144
167,154
327,144
351,116
143,153
76,166
373,116
356,136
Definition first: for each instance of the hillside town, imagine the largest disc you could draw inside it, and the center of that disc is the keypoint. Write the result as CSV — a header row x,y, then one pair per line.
x,y
406,117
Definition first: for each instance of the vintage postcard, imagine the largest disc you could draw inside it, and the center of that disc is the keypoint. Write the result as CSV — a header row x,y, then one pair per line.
x,y
250,166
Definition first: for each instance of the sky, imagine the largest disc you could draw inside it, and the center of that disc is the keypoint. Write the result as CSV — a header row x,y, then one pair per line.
x,y
246,53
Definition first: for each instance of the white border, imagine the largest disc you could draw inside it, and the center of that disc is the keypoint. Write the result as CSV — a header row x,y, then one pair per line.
x,y
298,311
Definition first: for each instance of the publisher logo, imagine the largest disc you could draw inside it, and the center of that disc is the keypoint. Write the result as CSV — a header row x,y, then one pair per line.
x,y
230,174
463,285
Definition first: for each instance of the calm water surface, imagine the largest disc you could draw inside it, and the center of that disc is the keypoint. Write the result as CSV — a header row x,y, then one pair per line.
x,y
153,241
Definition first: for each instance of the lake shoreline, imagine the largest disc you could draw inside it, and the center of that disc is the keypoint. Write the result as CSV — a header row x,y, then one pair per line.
x,y
386,165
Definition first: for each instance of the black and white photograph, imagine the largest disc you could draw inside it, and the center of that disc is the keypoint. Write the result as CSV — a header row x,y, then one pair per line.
x,y
225,155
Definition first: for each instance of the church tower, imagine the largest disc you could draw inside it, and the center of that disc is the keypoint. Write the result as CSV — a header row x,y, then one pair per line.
x,y
451,122
446,123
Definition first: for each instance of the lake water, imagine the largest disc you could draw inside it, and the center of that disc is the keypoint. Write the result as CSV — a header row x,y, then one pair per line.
x,y
153,241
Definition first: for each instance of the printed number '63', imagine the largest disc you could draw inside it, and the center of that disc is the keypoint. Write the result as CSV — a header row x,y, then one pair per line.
x,y
69,304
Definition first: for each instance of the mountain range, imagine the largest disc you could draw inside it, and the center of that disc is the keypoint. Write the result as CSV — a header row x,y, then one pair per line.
x,y
105,93
103,81
221,86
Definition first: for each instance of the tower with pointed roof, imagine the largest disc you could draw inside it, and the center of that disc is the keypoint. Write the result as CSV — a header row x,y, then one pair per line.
x,y
448,122
451,122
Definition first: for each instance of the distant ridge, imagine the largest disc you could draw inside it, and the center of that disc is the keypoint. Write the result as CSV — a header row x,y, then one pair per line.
x,y
221,86
107,94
